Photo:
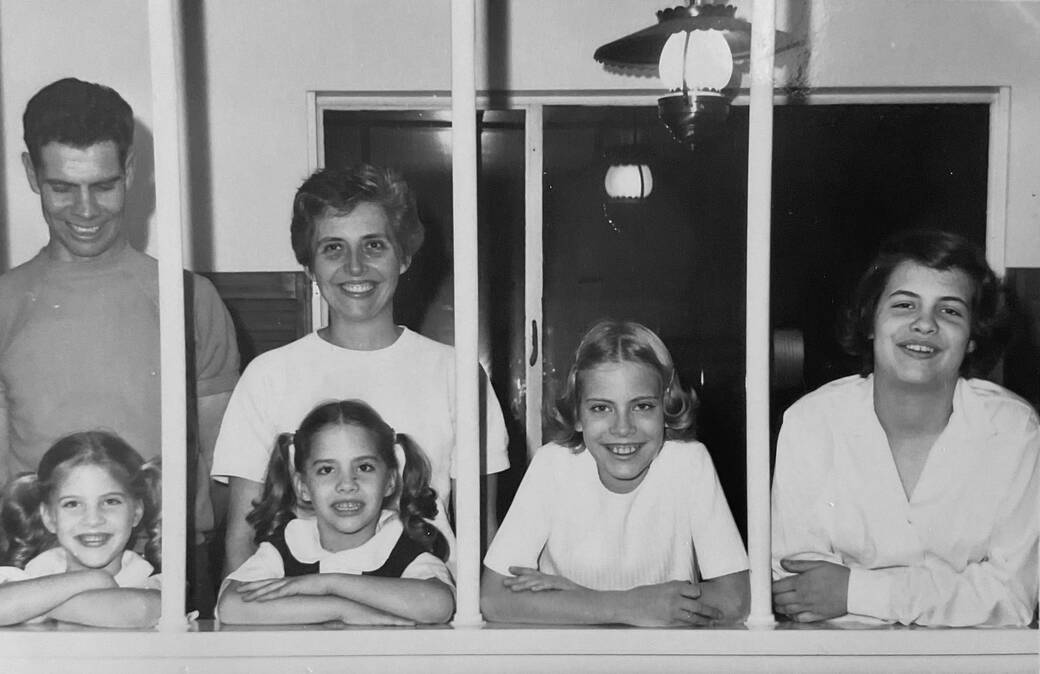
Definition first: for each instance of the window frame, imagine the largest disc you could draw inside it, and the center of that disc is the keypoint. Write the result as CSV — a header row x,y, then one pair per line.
x,y
177,644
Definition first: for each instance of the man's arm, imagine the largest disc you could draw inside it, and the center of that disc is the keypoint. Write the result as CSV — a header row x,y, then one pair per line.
x,y
238,542
210,413
5,438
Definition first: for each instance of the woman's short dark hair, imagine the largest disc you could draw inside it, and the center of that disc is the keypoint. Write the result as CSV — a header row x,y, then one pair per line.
x,y
339,191
941,251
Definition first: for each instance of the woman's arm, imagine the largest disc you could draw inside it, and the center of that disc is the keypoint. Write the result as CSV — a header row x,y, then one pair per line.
x,y
234,609
27,599
426,600
238,541
114,607
673,603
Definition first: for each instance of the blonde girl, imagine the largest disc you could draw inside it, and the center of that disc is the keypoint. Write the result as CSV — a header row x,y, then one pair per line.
x,y
622,520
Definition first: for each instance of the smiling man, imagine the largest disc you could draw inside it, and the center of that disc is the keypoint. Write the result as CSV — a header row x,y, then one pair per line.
x,y
79,322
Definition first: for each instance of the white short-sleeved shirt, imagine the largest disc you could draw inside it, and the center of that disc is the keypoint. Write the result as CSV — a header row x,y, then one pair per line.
x,y
962,550
676,525
301,537
411,384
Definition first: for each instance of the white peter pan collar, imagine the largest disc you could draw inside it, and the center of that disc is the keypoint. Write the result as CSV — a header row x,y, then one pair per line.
x,y
302,539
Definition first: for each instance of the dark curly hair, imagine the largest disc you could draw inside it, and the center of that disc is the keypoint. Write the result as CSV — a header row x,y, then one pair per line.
x,y
340,191
611,341
417,501
25,533
941,251
79,114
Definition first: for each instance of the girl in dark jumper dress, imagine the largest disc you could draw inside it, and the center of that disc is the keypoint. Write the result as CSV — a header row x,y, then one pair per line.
x,y
363,550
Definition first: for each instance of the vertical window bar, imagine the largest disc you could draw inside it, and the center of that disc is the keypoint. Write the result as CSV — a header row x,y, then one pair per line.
x,y
760,162
533,167
464,215
997,181
165,49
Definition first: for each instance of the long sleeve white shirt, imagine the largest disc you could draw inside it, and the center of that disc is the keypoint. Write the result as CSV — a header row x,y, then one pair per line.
x,y
962,550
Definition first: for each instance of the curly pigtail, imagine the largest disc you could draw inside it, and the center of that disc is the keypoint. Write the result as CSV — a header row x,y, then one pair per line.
x,y
25,534
419,500
278,501
148,488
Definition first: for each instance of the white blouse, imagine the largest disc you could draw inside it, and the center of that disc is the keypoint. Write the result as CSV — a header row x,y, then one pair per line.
x,y
962,550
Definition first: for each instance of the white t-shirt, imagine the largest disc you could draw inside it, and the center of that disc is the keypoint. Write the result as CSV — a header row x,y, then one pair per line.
x,y
675,525
962,550
301,537
411,384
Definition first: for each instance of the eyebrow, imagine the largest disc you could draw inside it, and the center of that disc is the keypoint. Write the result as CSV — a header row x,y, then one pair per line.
x,y
66,183
944,298
364,237
105,495
648,396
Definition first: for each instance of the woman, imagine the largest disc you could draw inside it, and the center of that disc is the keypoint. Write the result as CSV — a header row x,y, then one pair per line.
x,y
909,493
355,231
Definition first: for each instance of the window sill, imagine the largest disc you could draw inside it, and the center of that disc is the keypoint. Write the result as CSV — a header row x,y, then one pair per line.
x,y
204,648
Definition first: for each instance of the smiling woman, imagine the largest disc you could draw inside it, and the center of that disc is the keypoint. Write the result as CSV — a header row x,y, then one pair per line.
x,y
355,230
909,493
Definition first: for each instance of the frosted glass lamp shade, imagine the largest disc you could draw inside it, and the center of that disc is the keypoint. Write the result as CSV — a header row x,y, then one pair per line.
x,y
696,60
628,181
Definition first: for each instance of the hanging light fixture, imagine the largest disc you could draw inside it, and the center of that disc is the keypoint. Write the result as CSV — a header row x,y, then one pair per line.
x,y
693,50
628,177
628,180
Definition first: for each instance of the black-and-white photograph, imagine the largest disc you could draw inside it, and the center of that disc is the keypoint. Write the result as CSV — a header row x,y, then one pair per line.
x,y
519,335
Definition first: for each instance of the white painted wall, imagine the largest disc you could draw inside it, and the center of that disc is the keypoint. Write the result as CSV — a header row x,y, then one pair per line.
x,y
262,56
44,40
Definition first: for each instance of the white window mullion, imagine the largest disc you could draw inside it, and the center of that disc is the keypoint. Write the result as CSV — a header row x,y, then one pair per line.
x,y
533,274
165,44
760,162
467,394
997,180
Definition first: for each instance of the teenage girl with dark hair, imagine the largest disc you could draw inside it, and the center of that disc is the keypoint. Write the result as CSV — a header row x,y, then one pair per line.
x,y
909,492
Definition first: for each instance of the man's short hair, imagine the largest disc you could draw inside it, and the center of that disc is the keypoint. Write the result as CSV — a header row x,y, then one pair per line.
x,y
78,114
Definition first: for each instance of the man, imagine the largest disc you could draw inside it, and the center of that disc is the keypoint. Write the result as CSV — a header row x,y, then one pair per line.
x,y
79,322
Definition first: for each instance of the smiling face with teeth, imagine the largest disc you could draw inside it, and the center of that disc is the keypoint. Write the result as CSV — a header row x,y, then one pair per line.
x,y
922,326
93,515
357,268
621,419
83,197
346,480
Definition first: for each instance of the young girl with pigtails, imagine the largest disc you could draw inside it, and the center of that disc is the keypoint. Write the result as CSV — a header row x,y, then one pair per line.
x,y
68,534
622,520
369,554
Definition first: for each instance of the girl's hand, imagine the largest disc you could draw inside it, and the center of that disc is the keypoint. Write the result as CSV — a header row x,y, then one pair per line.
x,y
670,604
818,590
275,588
527,579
